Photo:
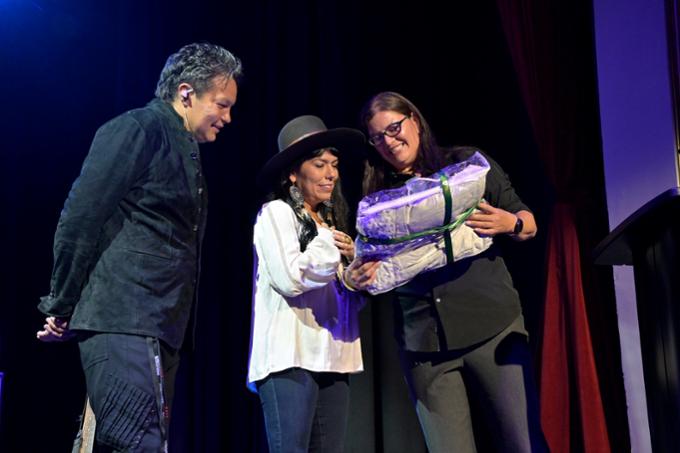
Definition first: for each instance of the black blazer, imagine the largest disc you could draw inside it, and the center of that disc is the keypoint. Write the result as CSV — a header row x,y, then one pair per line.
x,y
127,245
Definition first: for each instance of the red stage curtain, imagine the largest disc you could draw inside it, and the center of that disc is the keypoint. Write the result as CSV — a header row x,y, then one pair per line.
x,y
569,390
572,413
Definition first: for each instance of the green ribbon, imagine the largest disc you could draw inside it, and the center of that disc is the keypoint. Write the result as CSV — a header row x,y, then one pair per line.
x,y
444,181
447,227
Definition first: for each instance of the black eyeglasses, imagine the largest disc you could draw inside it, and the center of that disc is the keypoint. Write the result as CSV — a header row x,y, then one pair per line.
x,y
392,130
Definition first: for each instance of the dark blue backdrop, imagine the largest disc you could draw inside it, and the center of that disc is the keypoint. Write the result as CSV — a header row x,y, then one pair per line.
x,y
68,66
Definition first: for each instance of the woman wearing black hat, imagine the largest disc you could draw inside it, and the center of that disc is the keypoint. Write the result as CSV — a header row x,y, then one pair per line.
x,y
305,331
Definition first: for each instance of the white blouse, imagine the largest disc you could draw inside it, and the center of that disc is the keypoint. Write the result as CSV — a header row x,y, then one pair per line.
x,y
302,316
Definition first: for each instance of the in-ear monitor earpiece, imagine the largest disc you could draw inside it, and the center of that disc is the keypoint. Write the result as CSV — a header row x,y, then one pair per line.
x,y
185,93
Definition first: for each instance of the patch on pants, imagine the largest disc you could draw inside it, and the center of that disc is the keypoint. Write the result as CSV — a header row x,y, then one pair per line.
x,y
126,414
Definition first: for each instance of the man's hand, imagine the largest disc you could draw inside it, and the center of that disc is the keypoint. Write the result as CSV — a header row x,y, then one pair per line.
x,y
55,329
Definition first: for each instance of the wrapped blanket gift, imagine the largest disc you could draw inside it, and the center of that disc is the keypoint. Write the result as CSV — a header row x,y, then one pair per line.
x,y
421,226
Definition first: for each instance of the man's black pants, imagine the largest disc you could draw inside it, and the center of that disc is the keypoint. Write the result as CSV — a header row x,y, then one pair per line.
x,y
130,383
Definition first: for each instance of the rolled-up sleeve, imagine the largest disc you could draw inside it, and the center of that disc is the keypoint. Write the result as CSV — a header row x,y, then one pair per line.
x,y
291,271
500,192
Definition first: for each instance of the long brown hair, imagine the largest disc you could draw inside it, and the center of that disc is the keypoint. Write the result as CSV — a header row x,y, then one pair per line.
x,y
430,157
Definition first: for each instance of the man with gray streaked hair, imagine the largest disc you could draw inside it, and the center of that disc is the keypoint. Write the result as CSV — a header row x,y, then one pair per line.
x,y
127,248
196,64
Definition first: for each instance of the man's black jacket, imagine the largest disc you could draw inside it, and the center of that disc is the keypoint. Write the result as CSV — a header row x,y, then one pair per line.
x,y
127,246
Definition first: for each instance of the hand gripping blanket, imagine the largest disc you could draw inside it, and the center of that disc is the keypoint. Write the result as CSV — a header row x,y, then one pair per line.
x,y
421,226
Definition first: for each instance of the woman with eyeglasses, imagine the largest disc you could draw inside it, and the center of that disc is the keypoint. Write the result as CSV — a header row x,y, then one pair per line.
x,y
460,327
305,328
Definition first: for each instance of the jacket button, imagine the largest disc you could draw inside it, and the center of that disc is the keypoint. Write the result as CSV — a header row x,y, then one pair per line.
x,y
438,299
195,228
200,190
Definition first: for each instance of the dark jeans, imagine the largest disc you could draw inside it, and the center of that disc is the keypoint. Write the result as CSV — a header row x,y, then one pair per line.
x,y
495,377
305,411
125,390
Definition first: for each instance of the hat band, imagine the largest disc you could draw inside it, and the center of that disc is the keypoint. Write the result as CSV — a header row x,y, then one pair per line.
x,y
302,137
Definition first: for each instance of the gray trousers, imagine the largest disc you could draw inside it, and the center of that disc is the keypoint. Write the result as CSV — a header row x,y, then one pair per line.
x,y
495,378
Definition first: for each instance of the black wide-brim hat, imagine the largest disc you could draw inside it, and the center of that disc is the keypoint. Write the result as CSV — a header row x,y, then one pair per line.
x,y
304,135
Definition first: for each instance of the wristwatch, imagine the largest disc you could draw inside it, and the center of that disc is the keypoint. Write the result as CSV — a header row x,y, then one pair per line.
x,y
519,226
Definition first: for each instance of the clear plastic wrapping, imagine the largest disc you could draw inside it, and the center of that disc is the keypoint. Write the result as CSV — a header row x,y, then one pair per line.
x,y
387,221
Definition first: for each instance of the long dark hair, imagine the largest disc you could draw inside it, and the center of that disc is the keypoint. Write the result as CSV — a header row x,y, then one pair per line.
x,y
430,156
336,215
